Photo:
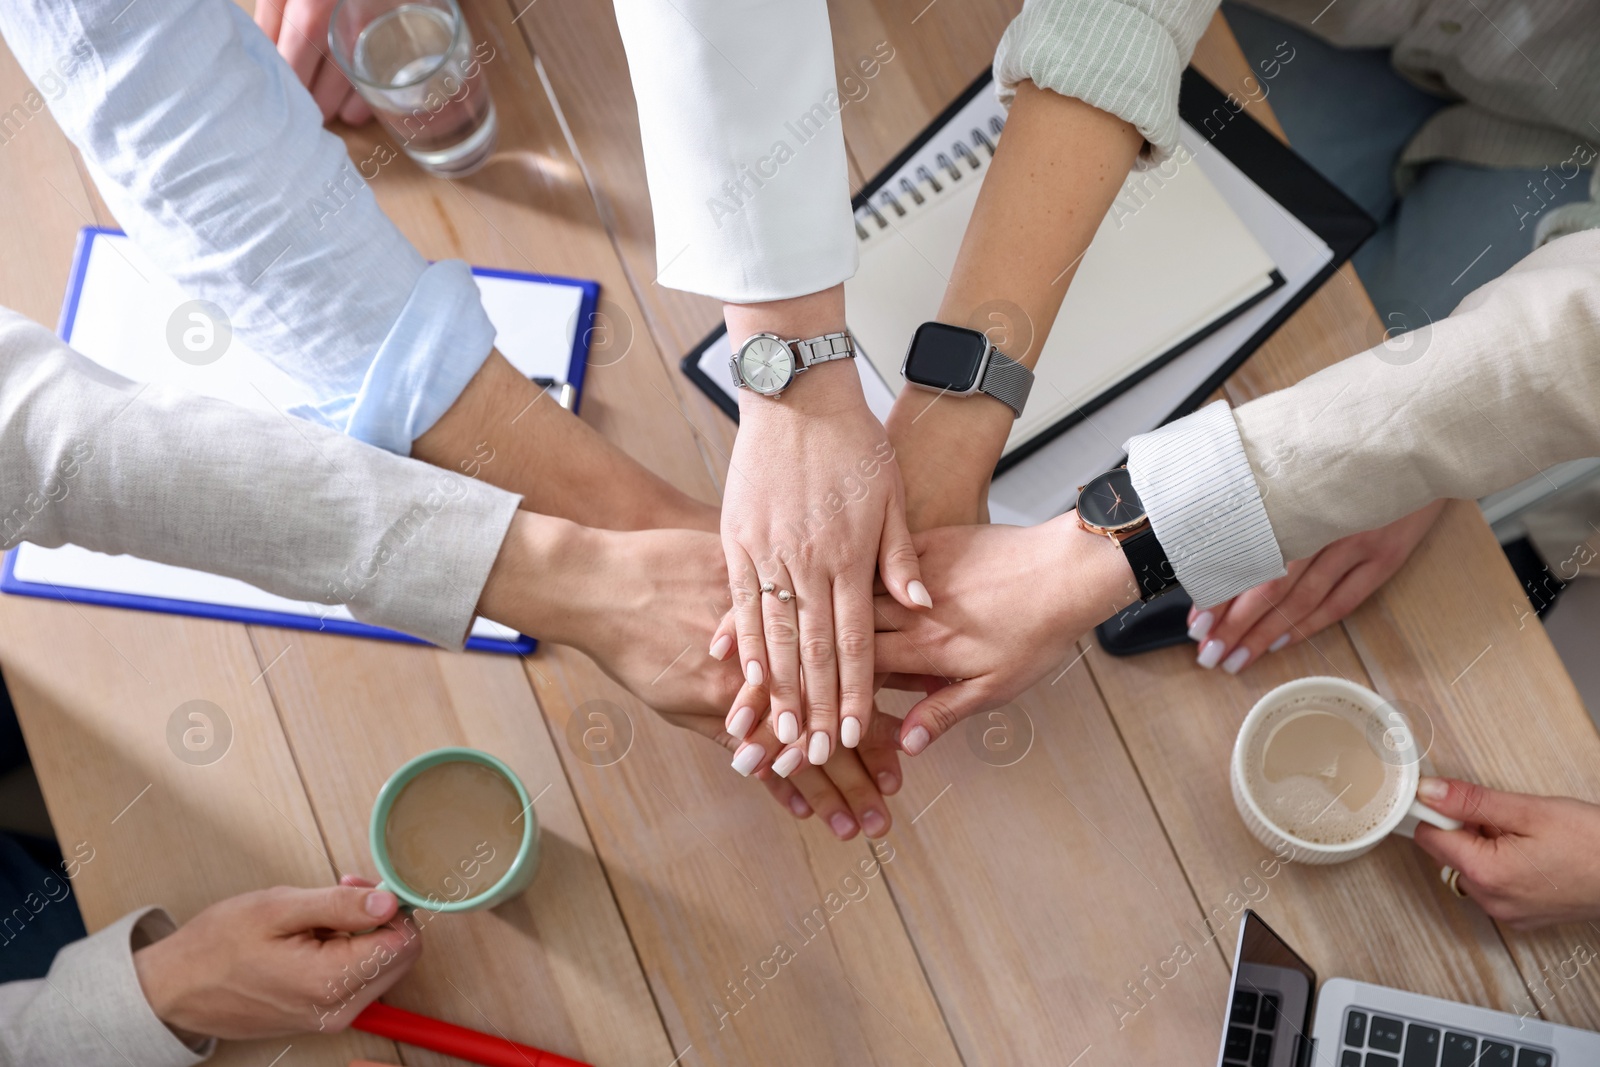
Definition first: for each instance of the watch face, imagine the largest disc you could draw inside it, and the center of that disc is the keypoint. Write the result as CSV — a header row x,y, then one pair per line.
x,y
766,364
945,357
1108,502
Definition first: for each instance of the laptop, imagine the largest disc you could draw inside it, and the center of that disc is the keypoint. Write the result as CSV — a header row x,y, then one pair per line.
x,y
1278,1017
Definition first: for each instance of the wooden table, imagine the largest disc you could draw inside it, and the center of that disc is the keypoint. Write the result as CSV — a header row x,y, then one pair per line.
x,y
1053,911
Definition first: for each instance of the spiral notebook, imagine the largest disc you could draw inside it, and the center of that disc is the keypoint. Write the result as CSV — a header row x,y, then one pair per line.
x,y
116,313
1192,269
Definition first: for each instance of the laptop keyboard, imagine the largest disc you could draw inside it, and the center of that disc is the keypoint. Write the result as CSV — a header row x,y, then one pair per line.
x,y
1252,1028
1373,1040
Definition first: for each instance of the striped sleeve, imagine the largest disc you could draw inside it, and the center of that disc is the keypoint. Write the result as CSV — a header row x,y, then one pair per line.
x,y
1125,58
1200,492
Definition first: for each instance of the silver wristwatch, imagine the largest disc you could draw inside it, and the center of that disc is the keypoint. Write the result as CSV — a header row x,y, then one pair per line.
x,y
767,364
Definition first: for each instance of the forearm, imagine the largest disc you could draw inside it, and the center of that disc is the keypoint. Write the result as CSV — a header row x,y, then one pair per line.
x,y
1504,387
1507,386
1052,179
505,430
243,199
95,460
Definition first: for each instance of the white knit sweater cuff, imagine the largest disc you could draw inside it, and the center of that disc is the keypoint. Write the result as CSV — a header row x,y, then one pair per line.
x,y
1200,492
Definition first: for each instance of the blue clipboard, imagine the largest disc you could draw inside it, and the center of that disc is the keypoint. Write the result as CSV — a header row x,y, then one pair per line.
x,y
10,583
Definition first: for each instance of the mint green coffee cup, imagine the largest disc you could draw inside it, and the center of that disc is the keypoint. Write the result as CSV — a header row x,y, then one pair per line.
x,y
460,890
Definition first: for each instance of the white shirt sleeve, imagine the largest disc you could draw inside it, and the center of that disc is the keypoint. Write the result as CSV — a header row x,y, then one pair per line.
x,y
743,145
1200,492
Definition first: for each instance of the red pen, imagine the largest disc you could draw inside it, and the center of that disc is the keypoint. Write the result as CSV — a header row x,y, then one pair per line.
x,y
438,1036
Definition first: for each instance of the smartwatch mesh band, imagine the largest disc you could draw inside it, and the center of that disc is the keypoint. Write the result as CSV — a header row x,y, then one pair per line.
x,y
1007,381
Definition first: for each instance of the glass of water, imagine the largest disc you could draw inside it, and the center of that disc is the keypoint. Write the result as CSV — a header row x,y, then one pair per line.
x,y
415,63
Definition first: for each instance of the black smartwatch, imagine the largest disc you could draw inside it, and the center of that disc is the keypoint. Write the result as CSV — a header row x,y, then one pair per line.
x,y
960,362
1109,506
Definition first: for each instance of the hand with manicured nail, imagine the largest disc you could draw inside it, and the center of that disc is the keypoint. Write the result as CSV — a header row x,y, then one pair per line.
x,y
1528,861
1314,594
814,509
847,793
1010,603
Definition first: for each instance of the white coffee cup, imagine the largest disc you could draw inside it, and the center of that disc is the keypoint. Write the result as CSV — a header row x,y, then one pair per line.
x,y
1399,742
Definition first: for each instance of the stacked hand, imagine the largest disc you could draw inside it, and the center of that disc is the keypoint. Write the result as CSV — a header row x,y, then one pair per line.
x,y
814,508
642,605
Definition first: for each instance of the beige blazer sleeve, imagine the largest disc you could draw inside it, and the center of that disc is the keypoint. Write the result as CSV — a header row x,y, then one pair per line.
x,y
1506,386
89,1011
91,458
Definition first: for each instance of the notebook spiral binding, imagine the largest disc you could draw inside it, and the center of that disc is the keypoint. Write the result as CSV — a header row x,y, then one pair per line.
x,y
962,159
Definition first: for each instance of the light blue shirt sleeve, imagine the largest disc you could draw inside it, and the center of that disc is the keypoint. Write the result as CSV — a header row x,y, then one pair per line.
x,y
214,160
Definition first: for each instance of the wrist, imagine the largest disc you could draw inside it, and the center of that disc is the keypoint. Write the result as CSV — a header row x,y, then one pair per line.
x,y
1087,570
160,978
967,434
538,583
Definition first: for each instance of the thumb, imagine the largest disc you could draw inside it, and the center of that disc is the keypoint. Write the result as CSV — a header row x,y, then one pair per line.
x,y
1473,803
936,713
346,908
897,559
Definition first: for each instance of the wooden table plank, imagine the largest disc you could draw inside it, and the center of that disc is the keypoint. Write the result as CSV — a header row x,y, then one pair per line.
x,y
714,878
1043,893
533,969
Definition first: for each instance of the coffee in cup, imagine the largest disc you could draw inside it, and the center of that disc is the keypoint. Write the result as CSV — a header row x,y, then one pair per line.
x,y
1327,768
454,829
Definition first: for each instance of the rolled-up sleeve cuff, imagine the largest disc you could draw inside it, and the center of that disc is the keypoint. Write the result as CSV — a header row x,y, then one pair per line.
x,y
439,341
426,575
1110,55
1200,492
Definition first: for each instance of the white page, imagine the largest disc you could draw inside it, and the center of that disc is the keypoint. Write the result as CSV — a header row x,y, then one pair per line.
x,y
121,323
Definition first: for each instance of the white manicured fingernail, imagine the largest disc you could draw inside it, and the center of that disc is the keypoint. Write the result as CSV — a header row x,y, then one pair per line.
x,y
720,647
786,763
919,594
748,758
916,740
1210,653
1201,626
739,722
788,728
818,754
850,731
752,673
1235,663
1283,639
